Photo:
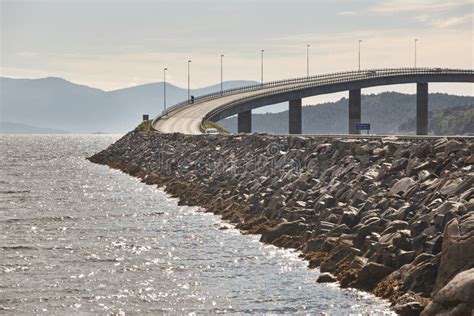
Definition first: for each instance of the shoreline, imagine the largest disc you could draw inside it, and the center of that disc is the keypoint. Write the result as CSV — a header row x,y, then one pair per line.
x,y
379,215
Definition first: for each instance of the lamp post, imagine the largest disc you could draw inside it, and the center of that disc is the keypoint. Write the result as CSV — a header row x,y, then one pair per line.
x,y
262,66
222,73
416,41
164,89
307,60
360,41
189,80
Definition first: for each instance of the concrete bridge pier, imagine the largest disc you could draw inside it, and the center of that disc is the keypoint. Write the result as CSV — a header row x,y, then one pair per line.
x,y
422,108
354,110
244,122
294,116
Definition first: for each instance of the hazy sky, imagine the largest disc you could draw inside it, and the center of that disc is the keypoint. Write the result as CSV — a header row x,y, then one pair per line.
x,y
115,44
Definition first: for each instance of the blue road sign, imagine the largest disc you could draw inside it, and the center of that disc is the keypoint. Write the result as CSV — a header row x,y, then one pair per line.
x,y
363,126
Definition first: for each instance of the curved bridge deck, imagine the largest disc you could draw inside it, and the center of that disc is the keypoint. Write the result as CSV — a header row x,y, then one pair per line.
x,y
187,118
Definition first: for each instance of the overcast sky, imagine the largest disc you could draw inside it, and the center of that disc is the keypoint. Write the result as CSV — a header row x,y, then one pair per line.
x,y
115,44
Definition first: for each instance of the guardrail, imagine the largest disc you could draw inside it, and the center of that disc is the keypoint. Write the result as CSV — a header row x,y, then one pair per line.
x,y
259,86
356,76
254,87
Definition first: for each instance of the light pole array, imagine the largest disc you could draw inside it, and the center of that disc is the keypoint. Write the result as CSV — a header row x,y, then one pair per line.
x,y
261,69
164,88
189,81
307,60
222,73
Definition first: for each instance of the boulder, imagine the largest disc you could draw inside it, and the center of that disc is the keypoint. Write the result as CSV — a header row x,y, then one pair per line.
x,y
284,228
457,254
402,186
421,277
371,274
452,146
326,278
408,309
456,298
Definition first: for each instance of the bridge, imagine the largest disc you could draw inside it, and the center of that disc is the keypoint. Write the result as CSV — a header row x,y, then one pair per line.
x,y
188,118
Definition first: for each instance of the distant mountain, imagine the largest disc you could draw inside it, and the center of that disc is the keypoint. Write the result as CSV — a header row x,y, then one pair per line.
x,y
457,120
59,104
18,128
385,112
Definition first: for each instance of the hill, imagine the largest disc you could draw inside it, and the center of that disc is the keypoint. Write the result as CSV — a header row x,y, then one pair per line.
x,y
59,104
385,112
457,120
18,128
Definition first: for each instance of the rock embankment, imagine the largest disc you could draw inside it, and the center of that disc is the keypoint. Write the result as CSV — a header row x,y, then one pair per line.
x,y
391,216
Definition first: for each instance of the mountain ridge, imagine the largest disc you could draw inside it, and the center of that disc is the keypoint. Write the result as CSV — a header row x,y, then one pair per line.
x,y
59,104
385,112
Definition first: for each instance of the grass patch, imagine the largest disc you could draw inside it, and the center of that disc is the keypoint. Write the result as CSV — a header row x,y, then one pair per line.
x,y
145,126
210,124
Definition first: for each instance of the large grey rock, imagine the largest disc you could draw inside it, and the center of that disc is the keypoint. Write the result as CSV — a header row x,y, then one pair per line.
x,y
408,309
452,146
456,298
456,255
402,186
370,275
326,278
284,228
421,277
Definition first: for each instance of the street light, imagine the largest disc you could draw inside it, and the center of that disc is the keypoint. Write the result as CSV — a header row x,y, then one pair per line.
x,y
360,41
262,66
189,79
416,41
222,73
307,60
164,89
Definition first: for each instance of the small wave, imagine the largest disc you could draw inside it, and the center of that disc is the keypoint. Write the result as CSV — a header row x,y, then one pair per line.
x,y
37,219
19,247
14,192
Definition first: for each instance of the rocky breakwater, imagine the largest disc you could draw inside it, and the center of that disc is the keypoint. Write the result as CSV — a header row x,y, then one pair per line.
x,y
391,216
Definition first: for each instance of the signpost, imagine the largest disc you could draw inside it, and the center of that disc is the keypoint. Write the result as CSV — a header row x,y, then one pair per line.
x,y
363,127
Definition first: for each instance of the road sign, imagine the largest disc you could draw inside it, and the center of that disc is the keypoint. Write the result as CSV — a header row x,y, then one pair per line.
x,y
363,126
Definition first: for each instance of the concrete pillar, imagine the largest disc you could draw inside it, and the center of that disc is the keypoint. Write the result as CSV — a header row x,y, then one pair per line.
x,y
422,109
354,110
294,116
244,122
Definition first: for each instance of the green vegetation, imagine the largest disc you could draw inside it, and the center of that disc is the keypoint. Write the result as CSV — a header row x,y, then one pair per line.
x,y
457,120
145,126
384,112
210,124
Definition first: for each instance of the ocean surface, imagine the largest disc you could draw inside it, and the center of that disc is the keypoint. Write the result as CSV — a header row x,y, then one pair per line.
x,y
80,238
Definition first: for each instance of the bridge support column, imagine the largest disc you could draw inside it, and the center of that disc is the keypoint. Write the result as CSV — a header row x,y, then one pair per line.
x,y
244,122
294,116
422,109
354,110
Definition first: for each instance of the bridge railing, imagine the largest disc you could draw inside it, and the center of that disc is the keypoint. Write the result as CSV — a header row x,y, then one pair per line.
x,y
260,86
253,87
248,88
355,77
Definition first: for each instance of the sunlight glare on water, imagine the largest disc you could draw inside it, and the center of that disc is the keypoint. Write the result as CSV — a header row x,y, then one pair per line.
x,y
77,237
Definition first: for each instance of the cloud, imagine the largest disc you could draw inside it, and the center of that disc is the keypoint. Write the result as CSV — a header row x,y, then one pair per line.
x,y
454,21
393,6
285,57
27,54
347,13
431,13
